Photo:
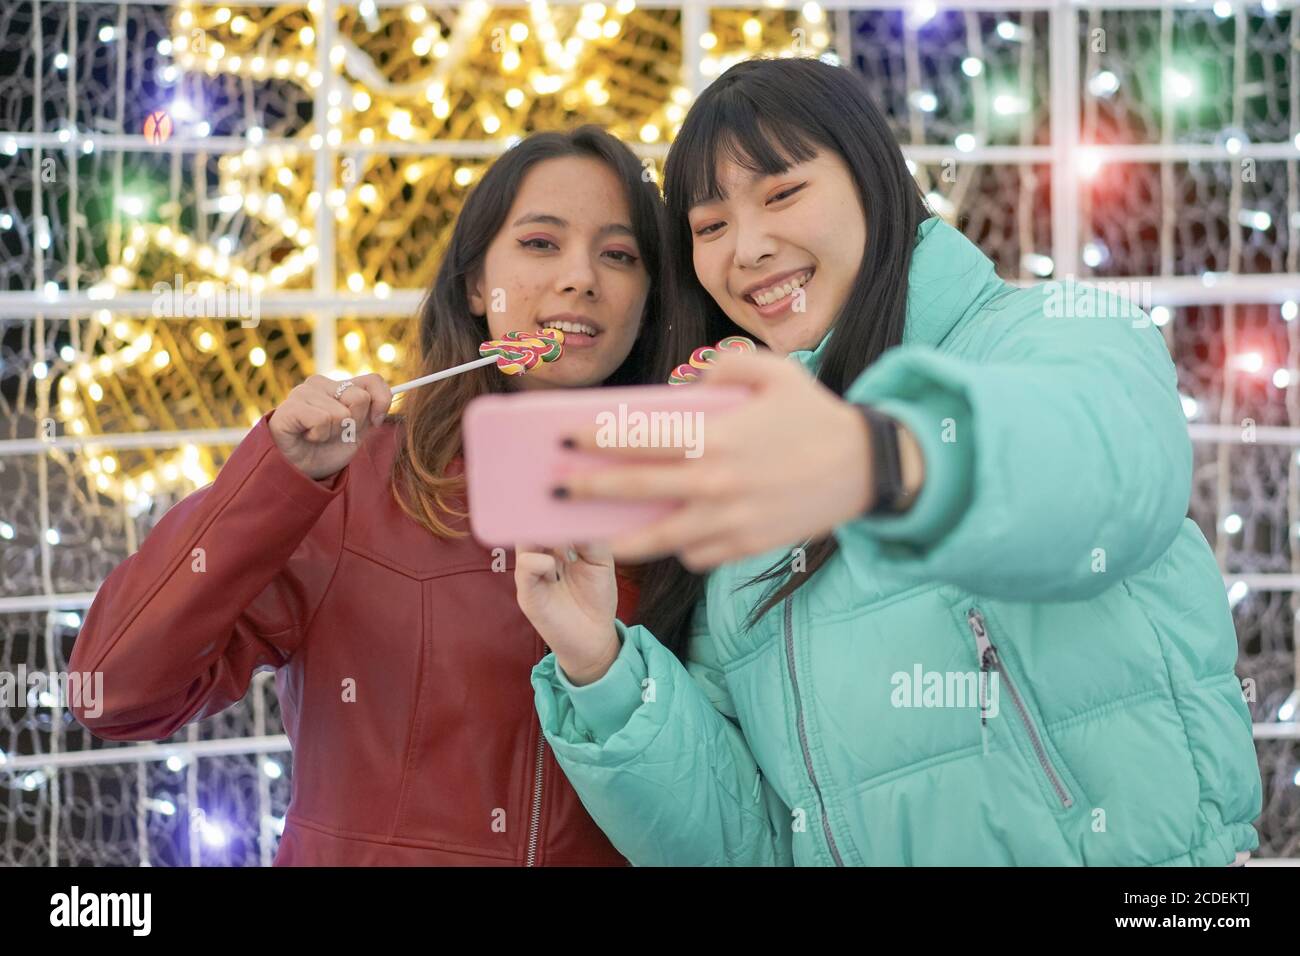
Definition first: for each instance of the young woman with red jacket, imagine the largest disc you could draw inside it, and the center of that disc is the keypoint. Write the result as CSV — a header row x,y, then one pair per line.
x,y
342,559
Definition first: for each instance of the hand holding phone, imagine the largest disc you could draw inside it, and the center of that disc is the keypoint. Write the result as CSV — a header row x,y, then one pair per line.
x,y
514,456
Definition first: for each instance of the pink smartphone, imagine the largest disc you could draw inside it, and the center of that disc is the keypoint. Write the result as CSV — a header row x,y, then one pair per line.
x,y
513,456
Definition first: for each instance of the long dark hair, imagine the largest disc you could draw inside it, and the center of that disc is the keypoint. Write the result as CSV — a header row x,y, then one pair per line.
x,y
450,333
766,115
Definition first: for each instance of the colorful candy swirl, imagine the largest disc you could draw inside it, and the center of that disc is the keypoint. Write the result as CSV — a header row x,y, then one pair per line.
x,y
517,352
706,355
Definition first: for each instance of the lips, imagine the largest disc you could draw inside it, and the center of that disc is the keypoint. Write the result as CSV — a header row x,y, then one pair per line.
x,y
570,325
773,290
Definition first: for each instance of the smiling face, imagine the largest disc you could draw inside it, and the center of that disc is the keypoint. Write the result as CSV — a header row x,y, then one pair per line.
x,y
779,253
566,258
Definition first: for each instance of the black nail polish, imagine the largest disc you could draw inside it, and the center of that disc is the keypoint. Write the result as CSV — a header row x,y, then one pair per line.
x,y
568,443
559,491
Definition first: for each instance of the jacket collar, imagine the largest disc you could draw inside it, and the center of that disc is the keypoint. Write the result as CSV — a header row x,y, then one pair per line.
x,y
949,277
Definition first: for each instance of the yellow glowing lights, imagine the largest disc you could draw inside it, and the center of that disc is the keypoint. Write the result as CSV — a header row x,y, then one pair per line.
x,y
548,52
399,124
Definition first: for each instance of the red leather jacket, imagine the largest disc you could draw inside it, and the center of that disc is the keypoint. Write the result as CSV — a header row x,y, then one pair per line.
x,y
438,757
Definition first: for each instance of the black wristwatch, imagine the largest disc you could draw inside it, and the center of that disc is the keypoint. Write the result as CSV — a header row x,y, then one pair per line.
x,y
886,463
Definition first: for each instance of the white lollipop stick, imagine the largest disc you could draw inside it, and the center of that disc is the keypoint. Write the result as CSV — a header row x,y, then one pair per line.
x,y
445,373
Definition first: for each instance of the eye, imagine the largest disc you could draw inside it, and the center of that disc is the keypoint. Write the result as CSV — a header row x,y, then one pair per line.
x,y
527,243
709,229
628,258
787,193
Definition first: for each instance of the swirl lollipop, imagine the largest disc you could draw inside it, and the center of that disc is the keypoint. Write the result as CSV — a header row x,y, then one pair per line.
x,y
706,355
514,354
518,352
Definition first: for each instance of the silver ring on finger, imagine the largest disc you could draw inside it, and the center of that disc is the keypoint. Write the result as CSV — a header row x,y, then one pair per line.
x,y
338,392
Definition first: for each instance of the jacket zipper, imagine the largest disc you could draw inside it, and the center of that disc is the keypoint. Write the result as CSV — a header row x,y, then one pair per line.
x,y
803,736
535,821
989,658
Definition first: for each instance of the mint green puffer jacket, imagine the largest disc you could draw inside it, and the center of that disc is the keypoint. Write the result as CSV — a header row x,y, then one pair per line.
x,y
1034,665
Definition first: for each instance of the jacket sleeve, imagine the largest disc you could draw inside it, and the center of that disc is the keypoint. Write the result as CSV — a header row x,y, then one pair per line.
x,y
227,581
655,754
1057,456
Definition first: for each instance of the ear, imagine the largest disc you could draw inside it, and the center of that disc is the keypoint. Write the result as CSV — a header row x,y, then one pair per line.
x,y
474,292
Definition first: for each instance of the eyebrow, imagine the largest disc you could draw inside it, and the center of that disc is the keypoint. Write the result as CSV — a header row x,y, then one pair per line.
x,y
550,220
751,177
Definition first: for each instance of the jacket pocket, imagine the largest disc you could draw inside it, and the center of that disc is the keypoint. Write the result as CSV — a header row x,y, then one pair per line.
x,y
991,663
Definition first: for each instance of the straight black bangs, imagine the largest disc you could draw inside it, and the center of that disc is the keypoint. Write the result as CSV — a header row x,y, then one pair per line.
x,y
763,137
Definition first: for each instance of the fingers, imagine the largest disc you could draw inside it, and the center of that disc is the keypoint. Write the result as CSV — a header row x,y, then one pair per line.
x,y
756,369
365,402
334,413
685,529
642,482
369,393
314,424
597,554
533,565
588,440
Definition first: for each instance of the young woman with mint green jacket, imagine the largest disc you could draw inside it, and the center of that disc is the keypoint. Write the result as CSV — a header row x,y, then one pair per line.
x,y
1012,648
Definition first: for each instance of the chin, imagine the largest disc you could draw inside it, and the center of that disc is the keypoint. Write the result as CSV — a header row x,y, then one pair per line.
x,y
578,379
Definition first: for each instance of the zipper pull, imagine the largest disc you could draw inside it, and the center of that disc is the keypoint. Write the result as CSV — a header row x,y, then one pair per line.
x,y
987,654
982,643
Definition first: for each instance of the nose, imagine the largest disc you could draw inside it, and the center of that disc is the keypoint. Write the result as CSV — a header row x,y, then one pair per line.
x,y
754,245
578,276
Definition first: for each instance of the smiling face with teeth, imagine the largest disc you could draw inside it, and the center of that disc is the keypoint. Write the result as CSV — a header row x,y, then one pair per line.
x,y
780,253
566,258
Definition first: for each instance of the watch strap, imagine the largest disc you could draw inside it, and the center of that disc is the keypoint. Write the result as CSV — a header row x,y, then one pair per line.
x,y
886,462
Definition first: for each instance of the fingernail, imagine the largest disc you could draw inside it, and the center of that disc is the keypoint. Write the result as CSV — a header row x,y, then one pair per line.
x,y
559,491
568,443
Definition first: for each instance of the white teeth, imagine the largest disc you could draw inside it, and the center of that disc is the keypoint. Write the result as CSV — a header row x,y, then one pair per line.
x,y
577,327
776,293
